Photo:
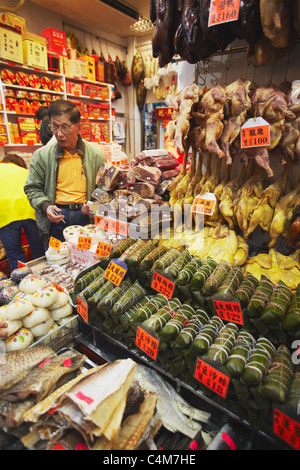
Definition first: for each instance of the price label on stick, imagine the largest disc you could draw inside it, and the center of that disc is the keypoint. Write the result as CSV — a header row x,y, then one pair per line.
x,y
82,308
229,311
103,249
147,343
84,243
255,133
212,378
54,243
223,11
163,285
115,272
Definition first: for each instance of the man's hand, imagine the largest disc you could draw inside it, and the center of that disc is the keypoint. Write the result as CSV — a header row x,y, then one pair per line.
x,y
85,209
56,218
3,334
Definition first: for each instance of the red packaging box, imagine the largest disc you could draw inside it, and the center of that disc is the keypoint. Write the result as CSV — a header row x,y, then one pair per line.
x,y
56,41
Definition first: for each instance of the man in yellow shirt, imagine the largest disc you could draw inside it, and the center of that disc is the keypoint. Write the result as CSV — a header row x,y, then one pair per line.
x,y
62,174
16,213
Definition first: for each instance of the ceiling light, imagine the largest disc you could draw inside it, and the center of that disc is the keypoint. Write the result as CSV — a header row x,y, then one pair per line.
x,y
122,7
143,25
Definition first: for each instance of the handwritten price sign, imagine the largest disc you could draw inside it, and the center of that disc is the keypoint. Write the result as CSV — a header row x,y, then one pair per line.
x,y
103,250
205,204
115,272
54,243
286,428
147,343
212,378
223,11
255,133
82,308
84,243
163,285
114,226
229,311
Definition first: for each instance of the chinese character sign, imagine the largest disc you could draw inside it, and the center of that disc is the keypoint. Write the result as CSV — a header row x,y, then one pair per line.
x,y
286,428
115,272
163,285
229,311
223,11
147,343
212,378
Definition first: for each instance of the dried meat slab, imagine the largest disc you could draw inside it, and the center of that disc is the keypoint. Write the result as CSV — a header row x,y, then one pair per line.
x,y
168,162
147,174
146,190
169,174
112,178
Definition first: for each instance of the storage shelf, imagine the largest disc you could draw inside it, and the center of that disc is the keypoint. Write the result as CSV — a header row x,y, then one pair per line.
x,y
38,90
86,97
85,80
5,64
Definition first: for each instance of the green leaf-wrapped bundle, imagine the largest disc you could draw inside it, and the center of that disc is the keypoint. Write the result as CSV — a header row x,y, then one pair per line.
x,y
137,256
86,279
121,248
177,366
220,349
207,268
192,328
230,284
164,314
206,336
291,320
102,292
278,304
260,297
131,296
182,260
109,300
149,308
188,271
216,278
93,287
168,258
240,352
175,325
153,256
125,317
275,385
293,398
246,289
133,249
258,362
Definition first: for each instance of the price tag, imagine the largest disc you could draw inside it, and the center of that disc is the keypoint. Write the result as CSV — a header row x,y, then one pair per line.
x,y
115,272
111,225
22,265
82,308
103,249
286,428
205,204
84,243
54,243
255,133
163,285
229,311
59,447
57,287
147,343
212,378
223,11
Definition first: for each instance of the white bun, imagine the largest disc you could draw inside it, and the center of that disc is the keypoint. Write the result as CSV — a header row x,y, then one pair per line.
x,y
71,231
30,284
62,300
20,340
38,315
12,326
45,297
42,328
59,313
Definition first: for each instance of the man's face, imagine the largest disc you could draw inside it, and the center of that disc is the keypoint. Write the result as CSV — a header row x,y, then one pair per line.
x,y
65,132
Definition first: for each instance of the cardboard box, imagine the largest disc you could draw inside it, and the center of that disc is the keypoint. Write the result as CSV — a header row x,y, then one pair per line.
x,y
56,41
35,51
11,48
91,70
14,20
26,124
77,68
99,66
63,65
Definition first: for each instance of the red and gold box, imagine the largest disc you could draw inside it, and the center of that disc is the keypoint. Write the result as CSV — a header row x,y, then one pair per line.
x,y
56,41
14,20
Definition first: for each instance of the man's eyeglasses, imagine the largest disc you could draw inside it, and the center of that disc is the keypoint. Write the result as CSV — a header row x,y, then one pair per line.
x,y
65,128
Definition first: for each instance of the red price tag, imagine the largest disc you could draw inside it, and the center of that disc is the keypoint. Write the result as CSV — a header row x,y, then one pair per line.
x,y
147,343
58,447
115,226
229,311
82,308
212,378
287,429
21,265
57,287
115,272
223,12
54,243
84,243
163,285
103,249
255,133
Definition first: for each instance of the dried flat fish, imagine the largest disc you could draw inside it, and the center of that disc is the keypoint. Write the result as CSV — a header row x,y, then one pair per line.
x,y
42,380
18,364
12,414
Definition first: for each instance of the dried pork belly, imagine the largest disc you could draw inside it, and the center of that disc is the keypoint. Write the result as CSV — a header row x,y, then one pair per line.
x,y
147,173
112,178
166,163
146,190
